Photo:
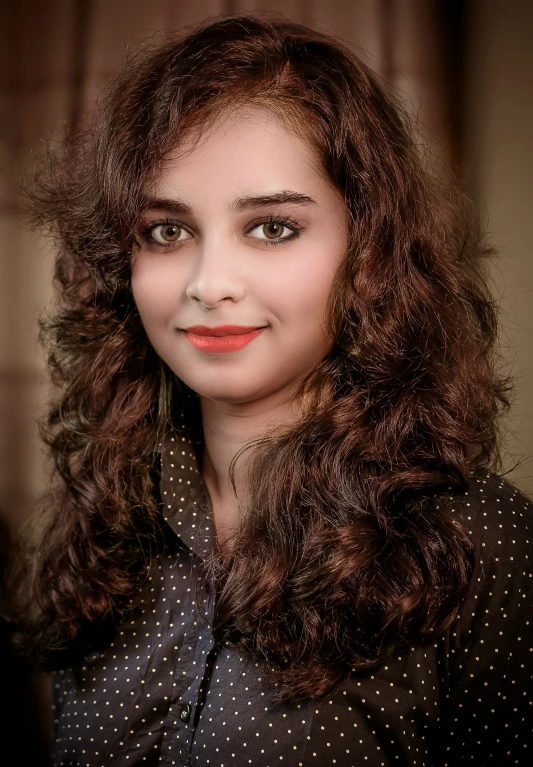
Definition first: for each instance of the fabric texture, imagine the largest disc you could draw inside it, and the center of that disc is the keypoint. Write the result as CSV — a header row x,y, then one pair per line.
x,y
163,693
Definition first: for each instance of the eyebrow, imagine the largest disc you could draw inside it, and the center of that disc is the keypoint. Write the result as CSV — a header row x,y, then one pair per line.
x,y
240,204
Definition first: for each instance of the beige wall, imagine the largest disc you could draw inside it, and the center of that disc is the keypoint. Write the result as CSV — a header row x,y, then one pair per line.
x,y
499,155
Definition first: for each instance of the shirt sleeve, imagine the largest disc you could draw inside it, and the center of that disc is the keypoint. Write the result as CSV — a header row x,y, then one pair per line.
x,y
488,712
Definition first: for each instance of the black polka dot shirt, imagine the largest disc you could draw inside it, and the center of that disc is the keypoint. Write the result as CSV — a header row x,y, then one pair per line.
x,y
163,694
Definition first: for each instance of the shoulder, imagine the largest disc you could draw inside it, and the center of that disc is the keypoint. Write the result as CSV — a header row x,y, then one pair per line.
x,y
499,520
498,517
487,653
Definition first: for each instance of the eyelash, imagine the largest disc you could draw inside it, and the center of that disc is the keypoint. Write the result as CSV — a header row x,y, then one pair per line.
x,y
146,232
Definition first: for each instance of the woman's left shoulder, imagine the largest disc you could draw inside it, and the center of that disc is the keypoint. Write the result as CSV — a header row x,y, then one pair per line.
x,y
498,517
499,520
488,650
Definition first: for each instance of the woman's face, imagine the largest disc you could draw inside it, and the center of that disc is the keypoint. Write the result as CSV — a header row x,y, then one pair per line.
x,y
242,230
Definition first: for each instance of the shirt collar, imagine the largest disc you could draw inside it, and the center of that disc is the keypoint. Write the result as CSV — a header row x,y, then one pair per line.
x,y
185,499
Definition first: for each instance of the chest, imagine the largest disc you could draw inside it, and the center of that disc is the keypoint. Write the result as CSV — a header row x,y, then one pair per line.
x,y
162,693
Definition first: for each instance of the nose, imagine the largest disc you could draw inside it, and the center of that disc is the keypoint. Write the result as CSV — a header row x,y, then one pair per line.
x,y
216,276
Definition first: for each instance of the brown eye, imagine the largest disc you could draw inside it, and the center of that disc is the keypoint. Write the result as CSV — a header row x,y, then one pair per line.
x,y
273,230
165,233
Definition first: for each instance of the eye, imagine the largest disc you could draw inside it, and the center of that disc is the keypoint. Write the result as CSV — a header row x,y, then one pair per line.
x,y
274,231
167,233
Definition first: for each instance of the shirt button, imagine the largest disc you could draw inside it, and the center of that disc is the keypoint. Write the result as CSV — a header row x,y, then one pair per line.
x,y
185,713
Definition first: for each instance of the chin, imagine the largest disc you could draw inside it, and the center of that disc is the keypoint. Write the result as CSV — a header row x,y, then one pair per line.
x,y
240,392
232,397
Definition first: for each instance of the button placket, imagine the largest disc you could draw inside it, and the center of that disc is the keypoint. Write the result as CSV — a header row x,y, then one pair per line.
x,y
193,657
185,713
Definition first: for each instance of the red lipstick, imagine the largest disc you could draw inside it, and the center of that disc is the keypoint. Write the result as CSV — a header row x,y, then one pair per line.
x,y
224,338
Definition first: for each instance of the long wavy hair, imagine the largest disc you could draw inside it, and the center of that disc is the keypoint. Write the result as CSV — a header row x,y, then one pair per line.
x,y
345,555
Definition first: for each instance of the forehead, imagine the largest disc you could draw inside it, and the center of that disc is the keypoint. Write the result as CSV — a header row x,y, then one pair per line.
x,y
244,144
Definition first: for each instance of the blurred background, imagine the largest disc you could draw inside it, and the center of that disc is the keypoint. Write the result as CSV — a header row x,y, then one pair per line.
x,y
464,69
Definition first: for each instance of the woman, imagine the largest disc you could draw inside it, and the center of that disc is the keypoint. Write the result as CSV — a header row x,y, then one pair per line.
x,y
276,535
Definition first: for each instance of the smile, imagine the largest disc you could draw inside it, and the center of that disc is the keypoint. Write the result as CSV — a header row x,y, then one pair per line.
x,y
221,343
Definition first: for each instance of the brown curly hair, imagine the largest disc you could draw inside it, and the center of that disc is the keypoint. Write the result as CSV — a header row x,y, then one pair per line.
x,y
345,556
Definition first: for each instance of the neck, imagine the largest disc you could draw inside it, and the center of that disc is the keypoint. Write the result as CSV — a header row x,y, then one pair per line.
x,y
227,428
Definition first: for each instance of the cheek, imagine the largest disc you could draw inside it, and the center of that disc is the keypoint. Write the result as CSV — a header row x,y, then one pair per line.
x,y
305,287
154,289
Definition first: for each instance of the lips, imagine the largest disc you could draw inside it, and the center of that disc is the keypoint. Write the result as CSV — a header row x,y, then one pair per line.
x,y
220,330
224,338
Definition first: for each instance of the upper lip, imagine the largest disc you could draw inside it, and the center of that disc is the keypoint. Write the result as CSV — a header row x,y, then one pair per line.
x,y
221,330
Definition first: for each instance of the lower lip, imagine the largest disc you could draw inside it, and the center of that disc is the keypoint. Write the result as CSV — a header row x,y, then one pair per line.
x,y
222,343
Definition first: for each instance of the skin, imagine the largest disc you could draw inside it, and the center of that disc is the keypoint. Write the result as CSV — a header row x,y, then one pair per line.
x,y
218,268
